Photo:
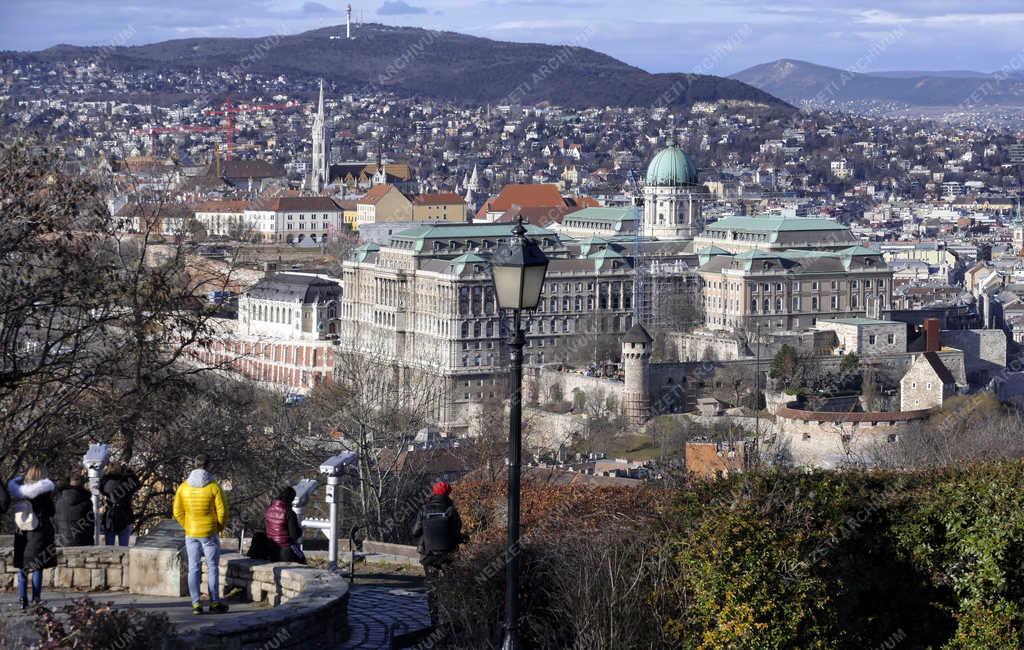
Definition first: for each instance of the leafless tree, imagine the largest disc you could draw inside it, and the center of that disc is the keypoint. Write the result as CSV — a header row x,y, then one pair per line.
x,y
96,325
968,428
376,409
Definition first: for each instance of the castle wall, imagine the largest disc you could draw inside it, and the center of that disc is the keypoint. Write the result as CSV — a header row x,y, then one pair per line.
x,y
984,350
819,439
537,383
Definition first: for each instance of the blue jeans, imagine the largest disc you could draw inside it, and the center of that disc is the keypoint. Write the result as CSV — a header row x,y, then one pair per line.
x,y
197,548
122,537
37,584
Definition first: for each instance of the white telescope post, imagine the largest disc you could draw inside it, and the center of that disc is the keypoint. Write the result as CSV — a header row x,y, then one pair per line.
x,y
332,468
94,461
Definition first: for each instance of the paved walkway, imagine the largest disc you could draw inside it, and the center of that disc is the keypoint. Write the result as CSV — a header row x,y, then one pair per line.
x,y
178,610
377,614
382,607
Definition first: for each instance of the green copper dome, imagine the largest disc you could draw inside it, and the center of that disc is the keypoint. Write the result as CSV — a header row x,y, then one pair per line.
x,y
671,168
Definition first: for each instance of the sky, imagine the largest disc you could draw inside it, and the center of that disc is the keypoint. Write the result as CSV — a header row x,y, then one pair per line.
x,y
711,37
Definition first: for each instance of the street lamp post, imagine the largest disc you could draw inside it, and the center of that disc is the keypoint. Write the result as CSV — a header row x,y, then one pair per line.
x,y
518,269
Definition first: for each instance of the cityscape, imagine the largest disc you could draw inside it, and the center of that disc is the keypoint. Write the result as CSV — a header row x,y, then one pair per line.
x,y
549,333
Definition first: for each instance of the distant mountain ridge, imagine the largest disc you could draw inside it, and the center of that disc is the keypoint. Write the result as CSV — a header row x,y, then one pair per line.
x,y
801,81
413,61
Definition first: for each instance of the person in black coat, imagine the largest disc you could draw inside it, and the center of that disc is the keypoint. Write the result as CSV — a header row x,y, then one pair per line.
x,y
118,486
35,549
74,517
438,529
5,498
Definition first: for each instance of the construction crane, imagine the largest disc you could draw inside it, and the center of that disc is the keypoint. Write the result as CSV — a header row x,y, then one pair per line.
x,y
153,132
229,110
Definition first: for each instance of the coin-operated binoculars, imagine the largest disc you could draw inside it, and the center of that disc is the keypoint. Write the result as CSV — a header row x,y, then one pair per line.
x,y
94,461
332,468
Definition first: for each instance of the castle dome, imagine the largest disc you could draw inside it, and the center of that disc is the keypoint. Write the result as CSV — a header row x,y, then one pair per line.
x,y
671,168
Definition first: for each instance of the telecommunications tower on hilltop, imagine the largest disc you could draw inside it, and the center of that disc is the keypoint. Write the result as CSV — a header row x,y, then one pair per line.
x,y
348,21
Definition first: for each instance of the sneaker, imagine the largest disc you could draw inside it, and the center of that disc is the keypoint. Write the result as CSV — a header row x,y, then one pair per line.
x,y
197,608
218,607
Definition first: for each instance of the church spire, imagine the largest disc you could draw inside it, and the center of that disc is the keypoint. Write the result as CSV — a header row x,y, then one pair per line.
x,y
320,105
319,174
382,170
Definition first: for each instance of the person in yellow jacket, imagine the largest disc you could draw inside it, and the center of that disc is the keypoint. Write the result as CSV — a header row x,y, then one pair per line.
x,y
202,510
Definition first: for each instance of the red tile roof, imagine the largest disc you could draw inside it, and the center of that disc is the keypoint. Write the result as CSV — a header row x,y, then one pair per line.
x,y
583,202
375,194
537,216
442,198
543,195
234,207
304,204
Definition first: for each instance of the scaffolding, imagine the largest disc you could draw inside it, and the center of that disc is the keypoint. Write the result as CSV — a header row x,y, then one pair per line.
x,y
641,307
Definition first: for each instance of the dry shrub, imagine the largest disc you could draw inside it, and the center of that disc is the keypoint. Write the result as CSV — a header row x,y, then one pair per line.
x,y
586,565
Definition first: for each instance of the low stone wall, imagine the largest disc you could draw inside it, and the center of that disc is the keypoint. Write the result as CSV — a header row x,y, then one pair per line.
x,y
310,607
390,553
81,568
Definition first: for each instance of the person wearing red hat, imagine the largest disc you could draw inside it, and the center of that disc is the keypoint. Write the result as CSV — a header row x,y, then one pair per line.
x,y
438,529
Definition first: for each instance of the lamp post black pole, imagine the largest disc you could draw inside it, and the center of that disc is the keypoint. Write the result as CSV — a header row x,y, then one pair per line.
x,y
515,452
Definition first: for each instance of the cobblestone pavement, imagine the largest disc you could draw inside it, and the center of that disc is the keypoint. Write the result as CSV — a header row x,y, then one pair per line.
x,y
377,614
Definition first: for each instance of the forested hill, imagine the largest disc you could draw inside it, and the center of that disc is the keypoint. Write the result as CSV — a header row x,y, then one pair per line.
x,y
413,61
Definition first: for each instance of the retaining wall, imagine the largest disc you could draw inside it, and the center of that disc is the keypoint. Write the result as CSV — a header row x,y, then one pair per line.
x,y
310,608
80,568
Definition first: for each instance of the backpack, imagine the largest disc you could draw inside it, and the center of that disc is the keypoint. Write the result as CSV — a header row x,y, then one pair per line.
x,y
24,516
437,529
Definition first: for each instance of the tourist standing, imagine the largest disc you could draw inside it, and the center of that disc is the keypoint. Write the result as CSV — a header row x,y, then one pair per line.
x,y
201,509
74,517
438,529
34,547
118,487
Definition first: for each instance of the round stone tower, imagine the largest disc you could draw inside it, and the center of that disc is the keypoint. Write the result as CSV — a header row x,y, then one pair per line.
x,y
636,365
